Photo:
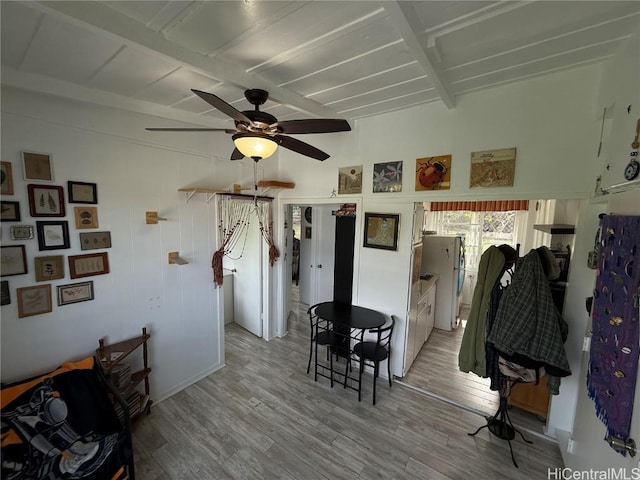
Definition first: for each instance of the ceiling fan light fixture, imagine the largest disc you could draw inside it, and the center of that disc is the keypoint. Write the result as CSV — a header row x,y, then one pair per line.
x,y
255,145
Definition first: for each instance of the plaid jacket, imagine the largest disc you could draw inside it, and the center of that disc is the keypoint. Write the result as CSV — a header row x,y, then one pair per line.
x,y
528,329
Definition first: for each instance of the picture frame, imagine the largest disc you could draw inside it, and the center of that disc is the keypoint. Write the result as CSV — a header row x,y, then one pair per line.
x,y
49,268
381,230
95,240
88,265
37,166
307,232
75,293
10,211
86,217
46,200
34,300
6,178
21,232
53,234
82,192
13,260
5,296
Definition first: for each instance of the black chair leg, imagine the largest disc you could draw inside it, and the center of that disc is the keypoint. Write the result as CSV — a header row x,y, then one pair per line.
x,y
375,376
389,369
310,351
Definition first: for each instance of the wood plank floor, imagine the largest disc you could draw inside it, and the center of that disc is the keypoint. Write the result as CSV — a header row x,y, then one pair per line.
x,y
435,370
263,417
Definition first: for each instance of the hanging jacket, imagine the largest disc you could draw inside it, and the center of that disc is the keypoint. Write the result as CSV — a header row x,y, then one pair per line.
x,y
528,329
471,357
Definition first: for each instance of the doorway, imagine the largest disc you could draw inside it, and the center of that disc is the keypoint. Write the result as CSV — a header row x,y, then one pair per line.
x,y
245,263
435,369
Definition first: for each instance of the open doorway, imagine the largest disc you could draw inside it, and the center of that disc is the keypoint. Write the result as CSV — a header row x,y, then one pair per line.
x,y
435,368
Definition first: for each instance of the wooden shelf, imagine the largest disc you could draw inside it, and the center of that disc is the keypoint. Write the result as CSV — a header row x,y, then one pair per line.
x,y
210,192
113,355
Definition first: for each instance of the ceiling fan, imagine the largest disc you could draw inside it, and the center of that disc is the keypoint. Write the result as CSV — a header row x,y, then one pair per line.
x,y
258,134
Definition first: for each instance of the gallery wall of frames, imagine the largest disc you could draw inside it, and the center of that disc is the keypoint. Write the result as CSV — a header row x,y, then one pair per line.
x,y
43,221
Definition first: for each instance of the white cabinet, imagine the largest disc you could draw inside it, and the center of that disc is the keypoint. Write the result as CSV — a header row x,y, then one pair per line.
x,y
421,318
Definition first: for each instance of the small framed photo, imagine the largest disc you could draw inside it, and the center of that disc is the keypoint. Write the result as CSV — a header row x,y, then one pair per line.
x,y
74,293
82,192
46,200
88,265
95,240
53,235
37,166
49,268
10,211
6,178
86,217
14,260
21,232
5,296
307,232
381,230
34,300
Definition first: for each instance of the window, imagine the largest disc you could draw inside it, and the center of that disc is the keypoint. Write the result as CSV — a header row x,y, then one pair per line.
x,y
480,229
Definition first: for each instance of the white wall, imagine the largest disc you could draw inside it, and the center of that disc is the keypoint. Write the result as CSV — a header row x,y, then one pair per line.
x,y
135,171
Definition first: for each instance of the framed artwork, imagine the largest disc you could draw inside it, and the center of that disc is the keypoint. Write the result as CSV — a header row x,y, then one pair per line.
x,y
88,265
86,217
6,178
34,300
308,214
82,192
387,177
381,230
95,240
49,268
9,211
433,173
307,232
74,293
45,200
13,260
21,232
350,180
53,235
5,296
493,168
37,166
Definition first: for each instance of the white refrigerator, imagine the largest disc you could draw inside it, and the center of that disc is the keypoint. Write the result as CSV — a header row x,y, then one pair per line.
x,y
444,255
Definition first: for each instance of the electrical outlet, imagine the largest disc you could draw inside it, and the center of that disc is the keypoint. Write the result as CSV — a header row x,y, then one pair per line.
x,y
570,446
586,344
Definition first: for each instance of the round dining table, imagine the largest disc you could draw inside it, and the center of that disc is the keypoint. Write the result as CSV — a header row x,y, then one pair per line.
x,y
351,316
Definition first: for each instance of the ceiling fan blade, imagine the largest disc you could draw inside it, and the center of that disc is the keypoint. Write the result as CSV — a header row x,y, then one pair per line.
x,y
223,106
226,130
236,154
313,125
300,147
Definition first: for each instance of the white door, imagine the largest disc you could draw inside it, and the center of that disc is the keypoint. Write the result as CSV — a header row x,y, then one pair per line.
x,y
324,243
246,259
317,250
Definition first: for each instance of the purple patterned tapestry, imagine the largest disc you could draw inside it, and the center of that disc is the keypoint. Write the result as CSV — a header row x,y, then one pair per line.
x,y
613,361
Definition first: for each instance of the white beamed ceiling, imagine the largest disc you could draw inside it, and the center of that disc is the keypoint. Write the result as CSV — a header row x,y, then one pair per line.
x,y
335,59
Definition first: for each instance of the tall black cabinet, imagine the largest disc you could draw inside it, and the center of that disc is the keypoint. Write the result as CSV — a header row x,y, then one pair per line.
x,y
343,256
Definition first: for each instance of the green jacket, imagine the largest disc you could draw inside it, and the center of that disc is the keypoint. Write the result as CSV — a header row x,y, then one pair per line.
x,y
472,353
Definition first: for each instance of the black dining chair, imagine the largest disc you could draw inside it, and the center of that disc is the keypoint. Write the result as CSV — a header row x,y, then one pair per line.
x,y
321,333
371,353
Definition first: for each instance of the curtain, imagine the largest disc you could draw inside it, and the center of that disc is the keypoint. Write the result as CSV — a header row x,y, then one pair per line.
x,y
234,214
481,206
